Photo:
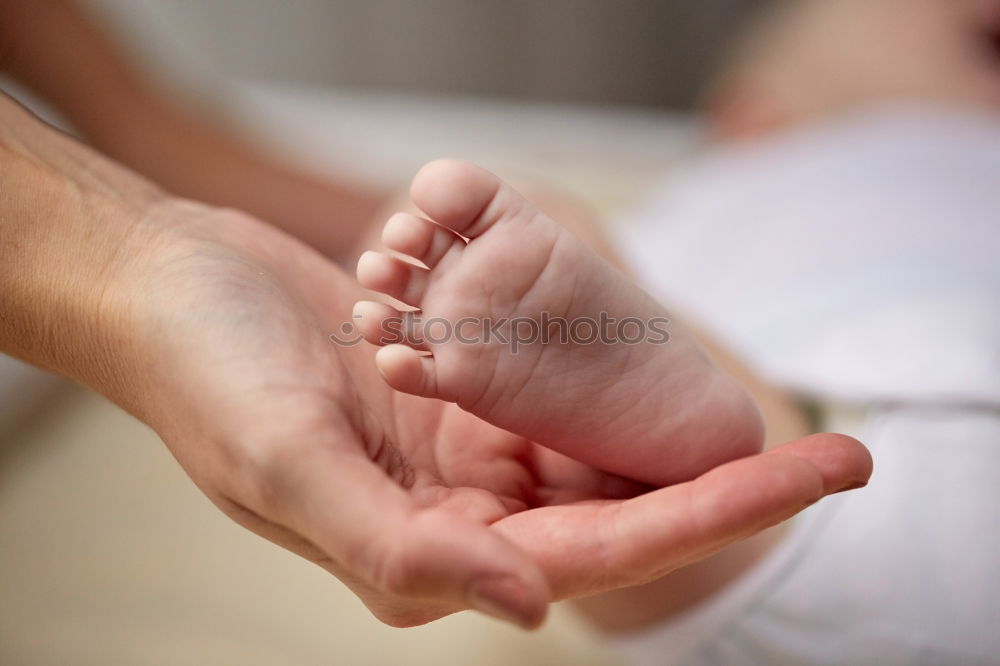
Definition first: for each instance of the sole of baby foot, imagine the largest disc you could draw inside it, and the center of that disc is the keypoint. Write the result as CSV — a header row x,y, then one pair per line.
x,y
648,406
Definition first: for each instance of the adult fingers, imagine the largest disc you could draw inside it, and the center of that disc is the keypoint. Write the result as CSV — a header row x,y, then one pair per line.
x,y
585,549
397,555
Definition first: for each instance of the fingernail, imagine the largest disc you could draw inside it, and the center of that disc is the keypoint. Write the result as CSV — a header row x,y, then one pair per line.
x,y
852,486
505,598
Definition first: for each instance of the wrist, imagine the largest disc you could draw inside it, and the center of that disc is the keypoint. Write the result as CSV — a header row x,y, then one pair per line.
x,y
72,229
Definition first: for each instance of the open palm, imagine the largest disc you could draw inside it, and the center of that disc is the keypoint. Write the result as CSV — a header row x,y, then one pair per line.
x,y
420,508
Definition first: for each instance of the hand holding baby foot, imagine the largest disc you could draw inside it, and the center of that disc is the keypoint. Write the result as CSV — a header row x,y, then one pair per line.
x,y
595,377
215,329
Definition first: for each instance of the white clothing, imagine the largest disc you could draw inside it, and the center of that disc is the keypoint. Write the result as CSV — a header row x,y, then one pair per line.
x,y
858,263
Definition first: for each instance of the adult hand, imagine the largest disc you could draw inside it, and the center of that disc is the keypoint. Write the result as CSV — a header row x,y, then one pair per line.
x,y
420,508
214,329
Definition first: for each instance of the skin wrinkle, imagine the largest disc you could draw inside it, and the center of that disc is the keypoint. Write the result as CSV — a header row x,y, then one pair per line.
x,y
529,491
506,210
472,406
609,532
271,460
384,453
105,259
696,527
256,523
621,410
551,264
614,413
698,377
435,430
528,376
483,289
490,292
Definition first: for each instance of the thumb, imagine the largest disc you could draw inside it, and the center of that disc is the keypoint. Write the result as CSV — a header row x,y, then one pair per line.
x,y
409,557
437,556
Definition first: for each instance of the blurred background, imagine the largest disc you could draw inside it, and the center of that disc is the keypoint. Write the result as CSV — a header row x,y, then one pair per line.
x,y
638,52
108,554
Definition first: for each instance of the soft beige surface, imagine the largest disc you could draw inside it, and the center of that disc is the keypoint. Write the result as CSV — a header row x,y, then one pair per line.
x,y
110,555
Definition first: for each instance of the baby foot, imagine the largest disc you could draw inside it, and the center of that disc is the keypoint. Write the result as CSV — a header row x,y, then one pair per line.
x,y
496,270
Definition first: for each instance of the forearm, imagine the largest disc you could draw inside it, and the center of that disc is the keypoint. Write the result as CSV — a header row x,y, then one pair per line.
x,y
54,49
70,222
194,157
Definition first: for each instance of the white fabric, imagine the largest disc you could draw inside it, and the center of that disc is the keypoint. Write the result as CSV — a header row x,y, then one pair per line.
x,y
858,262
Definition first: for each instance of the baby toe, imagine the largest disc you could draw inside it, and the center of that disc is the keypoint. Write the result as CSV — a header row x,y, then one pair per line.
x,y
407,370
392,277
381,324
420,239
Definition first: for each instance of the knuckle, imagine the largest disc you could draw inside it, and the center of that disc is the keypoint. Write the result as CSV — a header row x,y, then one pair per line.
x,y
398,574
265,468
270,464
